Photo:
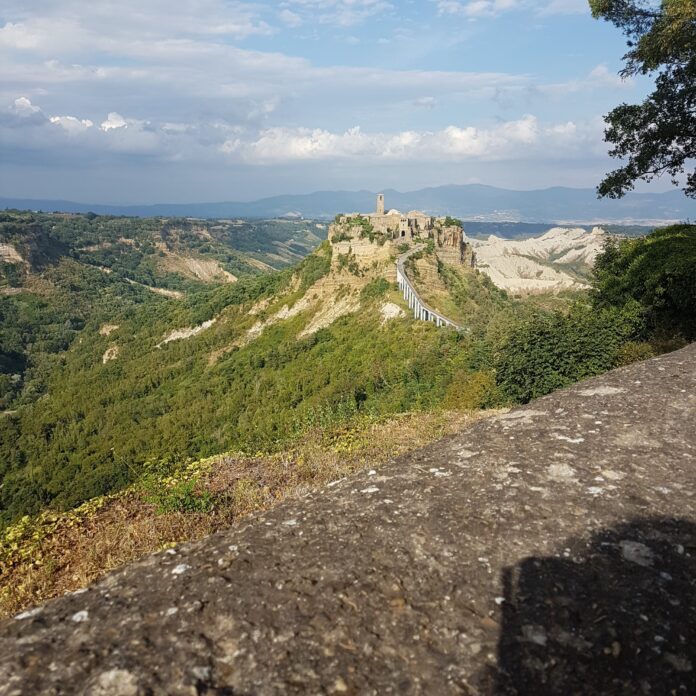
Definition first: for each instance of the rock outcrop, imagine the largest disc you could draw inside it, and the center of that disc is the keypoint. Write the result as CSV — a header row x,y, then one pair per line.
x,y
549,550
560,259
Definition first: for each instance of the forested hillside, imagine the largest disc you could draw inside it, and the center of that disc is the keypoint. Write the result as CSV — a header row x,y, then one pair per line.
x,y
168,252
100,375
60,272
255,366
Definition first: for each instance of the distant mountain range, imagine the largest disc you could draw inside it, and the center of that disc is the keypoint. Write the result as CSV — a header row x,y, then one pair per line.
x,y
469,202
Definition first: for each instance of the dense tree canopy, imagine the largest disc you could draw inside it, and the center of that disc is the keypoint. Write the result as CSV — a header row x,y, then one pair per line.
x,y
659,272
658,136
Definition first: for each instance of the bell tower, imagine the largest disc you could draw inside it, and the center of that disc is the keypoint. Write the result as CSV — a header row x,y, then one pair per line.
x,y
380,204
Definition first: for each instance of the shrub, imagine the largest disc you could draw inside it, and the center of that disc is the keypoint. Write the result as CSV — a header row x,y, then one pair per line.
x,y
634,351
349,262
179,496
659,272
315,266
471,390
366,229
248,495
172,487
550,351
375,288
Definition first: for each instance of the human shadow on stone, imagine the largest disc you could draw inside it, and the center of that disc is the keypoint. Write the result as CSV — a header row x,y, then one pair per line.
x,y
615,614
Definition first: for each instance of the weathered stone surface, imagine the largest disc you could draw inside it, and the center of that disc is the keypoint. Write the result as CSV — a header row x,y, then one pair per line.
x,y
550,550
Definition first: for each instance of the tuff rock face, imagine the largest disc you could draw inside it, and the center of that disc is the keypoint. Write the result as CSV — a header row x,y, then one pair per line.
x,y
550,550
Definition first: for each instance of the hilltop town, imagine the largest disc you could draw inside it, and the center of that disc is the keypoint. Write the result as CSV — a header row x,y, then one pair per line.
x,y
364,233
558,260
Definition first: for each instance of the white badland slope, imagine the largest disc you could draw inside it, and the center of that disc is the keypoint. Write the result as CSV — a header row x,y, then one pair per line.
x,y
558,260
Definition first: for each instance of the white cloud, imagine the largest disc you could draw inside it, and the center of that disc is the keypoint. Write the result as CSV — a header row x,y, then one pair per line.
x,y
18,36
178,66
600,77
28,128
341,12
478,8
290,18
168,78
451,7
21,114
520,138
568,129
426,102
113,121
259,110
71,124
562,7
22,106
475,8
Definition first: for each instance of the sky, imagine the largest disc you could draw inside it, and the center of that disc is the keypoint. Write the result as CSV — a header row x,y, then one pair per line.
x,y
144,101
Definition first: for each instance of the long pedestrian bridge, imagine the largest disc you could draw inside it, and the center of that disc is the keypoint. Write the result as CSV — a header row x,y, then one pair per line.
x,y
421,310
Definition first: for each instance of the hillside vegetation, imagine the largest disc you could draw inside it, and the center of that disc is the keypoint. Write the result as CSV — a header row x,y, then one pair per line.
x,y
56,552
641,304
278,355
60,272
122,400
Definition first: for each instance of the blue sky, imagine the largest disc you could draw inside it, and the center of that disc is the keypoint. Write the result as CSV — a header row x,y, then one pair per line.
x,y
200,100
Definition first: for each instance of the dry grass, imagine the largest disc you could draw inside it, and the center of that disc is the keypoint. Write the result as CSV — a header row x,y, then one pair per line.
x,y
78,547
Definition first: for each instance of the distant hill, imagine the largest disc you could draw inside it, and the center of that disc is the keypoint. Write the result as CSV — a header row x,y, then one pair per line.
x,y
114,351
469,202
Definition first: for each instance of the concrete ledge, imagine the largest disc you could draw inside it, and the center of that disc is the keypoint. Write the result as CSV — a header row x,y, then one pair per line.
x,y
550,550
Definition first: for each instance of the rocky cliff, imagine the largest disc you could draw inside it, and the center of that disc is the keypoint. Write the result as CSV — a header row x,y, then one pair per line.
x,y
549,550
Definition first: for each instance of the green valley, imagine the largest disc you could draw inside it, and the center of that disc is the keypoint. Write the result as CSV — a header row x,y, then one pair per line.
x,y
100,374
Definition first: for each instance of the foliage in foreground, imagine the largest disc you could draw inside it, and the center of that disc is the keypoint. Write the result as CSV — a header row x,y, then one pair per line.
x,y
659,135
551,351
659,272
54,552
643,302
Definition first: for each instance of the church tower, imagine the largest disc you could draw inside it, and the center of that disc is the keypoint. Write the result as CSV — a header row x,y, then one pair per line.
x,y
380,204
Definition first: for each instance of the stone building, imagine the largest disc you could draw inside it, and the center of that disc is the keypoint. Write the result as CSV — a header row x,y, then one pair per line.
x,y
414,226
398,225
